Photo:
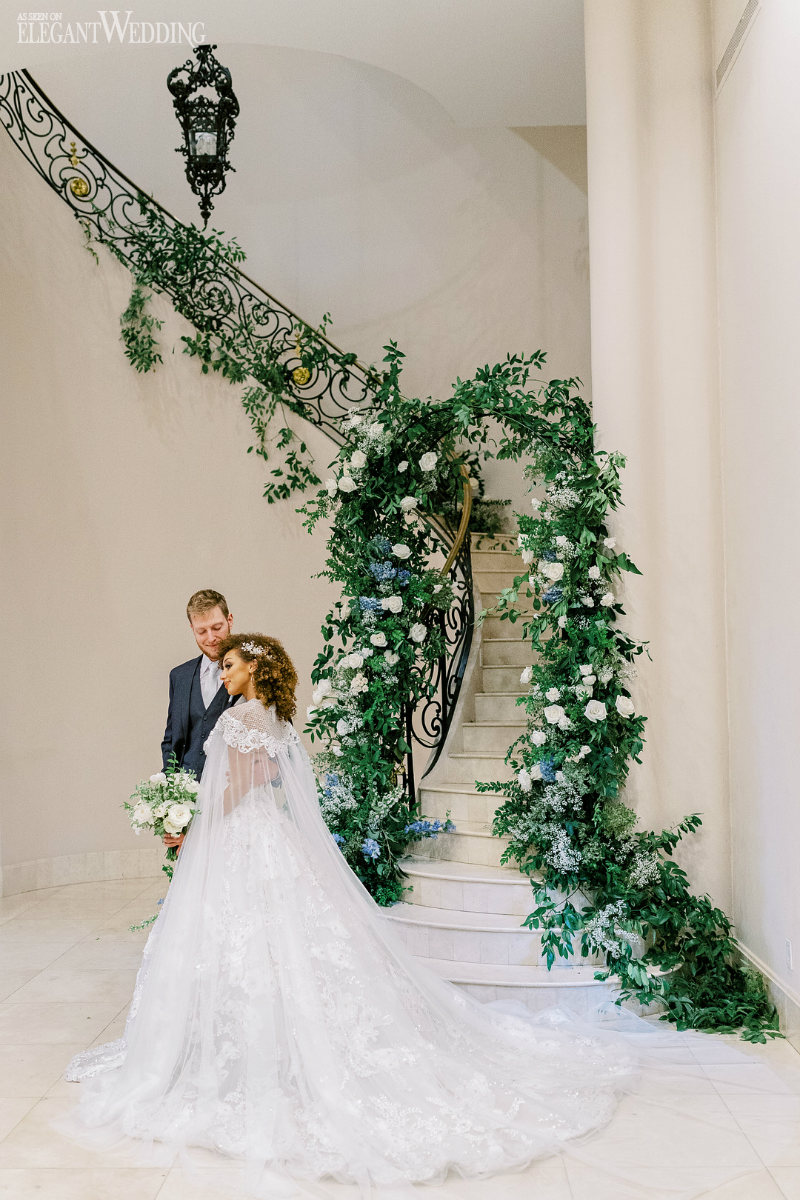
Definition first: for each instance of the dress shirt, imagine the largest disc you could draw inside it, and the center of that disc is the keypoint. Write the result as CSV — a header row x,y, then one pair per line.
x,y
209,679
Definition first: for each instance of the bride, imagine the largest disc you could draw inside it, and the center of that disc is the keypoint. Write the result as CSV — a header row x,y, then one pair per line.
x,y
276,1018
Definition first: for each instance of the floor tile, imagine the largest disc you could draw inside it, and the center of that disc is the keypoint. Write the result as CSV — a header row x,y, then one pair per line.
x,y
30,1070
11,1113
74,1183
771,1124
35,1142
12,981
788,1180
78,986
105,950
752,1078
51,1023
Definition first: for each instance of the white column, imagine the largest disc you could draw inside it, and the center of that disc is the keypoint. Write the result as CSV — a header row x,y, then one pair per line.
x,y
655,391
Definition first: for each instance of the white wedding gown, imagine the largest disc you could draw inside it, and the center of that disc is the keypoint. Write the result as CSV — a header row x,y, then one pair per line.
x,y
276,1017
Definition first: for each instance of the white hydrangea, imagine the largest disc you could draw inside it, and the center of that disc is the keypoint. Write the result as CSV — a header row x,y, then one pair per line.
x,y
585,668
562,541
609,543
391,658
402,467
159,777
524,780
594,572
141,814
527,557
535,504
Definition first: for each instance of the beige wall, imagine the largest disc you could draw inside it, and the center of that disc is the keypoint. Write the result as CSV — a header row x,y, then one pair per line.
x,y
125,493
758,187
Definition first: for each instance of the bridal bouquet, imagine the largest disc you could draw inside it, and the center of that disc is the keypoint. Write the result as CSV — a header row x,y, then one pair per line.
x,y
164,803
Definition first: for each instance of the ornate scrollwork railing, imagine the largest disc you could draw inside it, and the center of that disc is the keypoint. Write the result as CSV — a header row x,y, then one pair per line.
x,y
225,300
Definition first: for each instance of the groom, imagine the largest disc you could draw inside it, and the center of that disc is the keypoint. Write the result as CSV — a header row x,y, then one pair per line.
x,y
196,698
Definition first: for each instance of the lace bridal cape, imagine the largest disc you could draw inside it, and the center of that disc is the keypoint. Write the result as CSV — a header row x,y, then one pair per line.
x,y
277,1019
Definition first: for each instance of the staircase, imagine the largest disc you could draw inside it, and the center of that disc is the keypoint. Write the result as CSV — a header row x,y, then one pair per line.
x,y
464,913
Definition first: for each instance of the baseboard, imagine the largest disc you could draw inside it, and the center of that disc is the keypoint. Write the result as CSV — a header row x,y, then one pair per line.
x,y
87,867
786,1001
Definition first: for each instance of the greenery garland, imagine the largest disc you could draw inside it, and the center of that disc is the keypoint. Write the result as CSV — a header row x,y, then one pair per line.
x,y
567,826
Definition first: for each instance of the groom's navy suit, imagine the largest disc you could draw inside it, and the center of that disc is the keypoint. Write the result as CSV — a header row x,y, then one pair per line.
x,y
189,722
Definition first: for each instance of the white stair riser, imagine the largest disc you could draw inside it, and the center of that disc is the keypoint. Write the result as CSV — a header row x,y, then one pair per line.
x,y
523,602
581,999
462,806
497,560
510,899
497,578
501,679
499,709
464,847
489,738
512,947
505,653
496,627
468,768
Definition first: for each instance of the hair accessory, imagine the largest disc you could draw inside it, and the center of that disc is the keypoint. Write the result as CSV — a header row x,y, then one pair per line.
x,y
252,648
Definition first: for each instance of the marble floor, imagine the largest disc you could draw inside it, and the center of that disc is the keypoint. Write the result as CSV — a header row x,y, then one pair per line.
x,y
67,966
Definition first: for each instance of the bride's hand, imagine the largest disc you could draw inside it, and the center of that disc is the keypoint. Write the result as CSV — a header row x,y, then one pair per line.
x,y
171,840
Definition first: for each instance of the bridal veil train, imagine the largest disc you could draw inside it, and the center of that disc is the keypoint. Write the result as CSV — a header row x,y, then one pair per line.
x,y
277,1019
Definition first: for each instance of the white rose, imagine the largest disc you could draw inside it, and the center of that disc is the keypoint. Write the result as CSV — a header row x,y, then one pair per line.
x,y
607,600
336,749
585,668
323,687
590,680
177,818
141,814
358,459
584,750
346,484
375,429
552,694
332,486
428,461
552,570
524,780
594,572
160,811
553,714
402,467
342,727
565,722
536,771
587,601
562,622
561,540
355,661
595,711
401,550
624,706
160,777
535,504
392,604
609,543
409,503
391,658
378,639
538,737
192,786
418,632
527,557
358,684
526,676
310,711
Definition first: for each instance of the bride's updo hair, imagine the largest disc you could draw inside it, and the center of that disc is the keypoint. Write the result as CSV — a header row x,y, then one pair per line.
x,y
274,678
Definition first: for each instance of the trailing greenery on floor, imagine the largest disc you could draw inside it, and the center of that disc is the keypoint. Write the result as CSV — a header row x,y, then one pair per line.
x,y
568,826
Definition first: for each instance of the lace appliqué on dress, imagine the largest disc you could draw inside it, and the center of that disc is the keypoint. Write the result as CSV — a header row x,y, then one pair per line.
x,y
251,726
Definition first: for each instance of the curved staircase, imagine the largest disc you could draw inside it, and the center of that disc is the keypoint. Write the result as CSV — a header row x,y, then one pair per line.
x,y
464,912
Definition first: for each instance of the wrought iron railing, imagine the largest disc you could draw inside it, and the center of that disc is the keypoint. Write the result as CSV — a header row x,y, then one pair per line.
x,y
227,301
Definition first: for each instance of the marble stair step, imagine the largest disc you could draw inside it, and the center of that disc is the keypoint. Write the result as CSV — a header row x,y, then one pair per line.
x,y
573,987
472,842
497,560
466,937
497,576
506,652
524,602
488,737
468,887
463,802
499,707
501,678
463,768
496,627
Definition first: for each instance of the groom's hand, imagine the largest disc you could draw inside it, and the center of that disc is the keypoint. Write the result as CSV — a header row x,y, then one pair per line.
x,y
171,840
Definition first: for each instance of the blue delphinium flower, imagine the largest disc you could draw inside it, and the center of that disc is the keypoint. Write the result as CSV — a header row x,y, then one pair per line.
x,y
382,571
549,555
369,604
381,544
430,829
553,595
370,848
403,577
331,782
547,767
337,837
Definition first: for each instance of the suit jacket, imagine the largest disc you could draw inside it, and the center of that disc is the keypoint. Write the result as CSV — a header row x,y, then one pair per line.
x,y
189,722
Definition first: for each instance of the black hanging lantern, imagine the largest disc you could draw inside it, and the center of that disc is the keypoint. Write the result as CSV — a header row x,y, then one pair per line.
x,y
207,109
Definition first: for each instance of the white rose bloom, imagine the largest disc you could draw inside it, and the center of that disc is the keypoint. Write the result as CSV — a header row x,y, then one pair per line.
x,y
375,429
409,503
358,684
527,557
565,722
402,467
590,679
585,668
536,771
418,632
594,572
160,811
535,504
595,711
526,676
562,622
324,686
332,486
609,543
159,777
587,601
355,661
607,600
552,570
538,737
524,780
342,727
141,814
378,639
428,461
624,706
391,658
553,714
401,550
561,540
552,694
316,696
393,604
178,816
192,786
336,749
346,484
310,710
358,459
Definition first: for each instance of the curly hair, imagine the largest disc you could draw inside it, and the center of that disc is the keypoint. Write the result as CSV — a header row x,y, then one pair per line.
x,y
274,678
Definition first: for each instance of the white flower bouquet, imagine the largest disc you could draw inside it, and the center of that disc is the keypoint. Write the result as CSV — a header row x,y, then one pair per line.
x,y
165,803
